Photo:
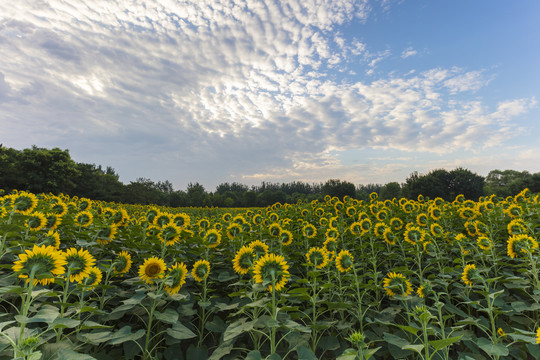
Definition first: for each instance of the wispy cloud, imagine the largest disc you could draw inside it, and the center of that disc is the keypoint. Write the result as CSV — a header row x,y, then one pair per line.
x,y
248,88
408,52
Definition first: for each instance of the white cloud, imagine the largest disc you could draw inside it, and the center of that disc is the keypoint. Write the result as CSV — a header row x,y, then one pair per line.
x,y
408,52
243,88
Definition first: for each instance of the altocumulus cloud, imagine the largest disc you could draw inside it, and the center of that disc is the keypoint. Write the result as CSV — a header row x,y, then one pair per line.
x,y
236,90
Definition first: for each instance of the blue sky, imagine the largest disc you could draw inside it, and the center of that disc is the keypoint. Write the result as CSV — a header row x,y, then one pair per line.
x,y
249,91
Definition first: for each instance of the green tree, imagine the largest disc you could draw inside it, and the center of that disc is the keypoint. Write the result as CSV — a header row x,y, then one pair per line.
x,y
338,188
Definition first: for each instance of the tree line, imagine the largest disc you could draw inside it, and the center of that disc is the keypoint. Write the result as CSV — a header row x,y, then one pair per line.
x,y
42,170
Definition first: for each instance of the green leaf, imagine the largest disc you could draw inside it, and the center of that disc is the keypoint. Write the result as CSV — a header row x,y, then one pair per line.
x,y
169,316
237,328
369,353
180,332
96,338
46,314
348,354
329,343
293,325
254,355
407,328
273,356
440,344
35,356
223,349
125,334
418,348
491,348
304,353
65,323
216,325
67,354
197,353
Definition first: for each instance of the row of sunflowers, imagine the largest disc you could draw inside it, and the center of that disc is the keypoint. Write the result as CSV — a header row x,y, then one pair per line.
x,y
340,278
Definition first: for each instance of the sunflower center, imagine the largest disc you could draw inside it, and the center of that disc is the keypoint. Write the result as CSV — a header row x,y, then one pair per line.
x,y
152,270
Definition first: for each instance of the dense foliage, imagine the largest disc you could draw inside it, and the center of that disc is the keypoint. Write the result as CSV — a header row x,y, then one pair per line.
x,y
337,278
43,170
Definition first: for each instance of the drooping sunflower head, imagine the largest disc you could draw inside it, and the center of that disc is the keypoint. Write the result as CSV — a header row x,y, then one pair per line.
x,y
414,235
437,230
60,208
170,234
521,243
243,260
271,269
259,248
53,220
84,218
151,214
286,237
234,229
257,219
317,257
45,261
309,231
181,220
332,233
344,261
36,221
422,220
24,202
469,274
94,277
52,238
379,229
470,226
516,227
350,211
162,219
484,243
203,224
176,277
365,225
212,238
274,229
513,211
389,236
331,246
152,269
397,284
78,263
201,270
122,263
396,223
106,234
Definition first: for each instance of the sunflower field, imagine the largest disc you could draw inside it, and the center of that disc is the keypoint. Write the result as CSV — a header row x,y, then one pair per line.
x,y
337,279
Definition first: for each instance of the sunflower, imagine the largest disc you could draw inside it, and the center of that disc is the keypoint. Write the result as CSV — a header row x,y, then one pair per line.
x,y
243,260
484,243
422,220
408,207
332,233
176,277
234,229
212,238
79,262
513,211
396,223
286,237
181,220
84,218
59,209
470,226
94,277
259,248
151,214
468,274
501,332
152,269
516,227
350,211
382,215
170,234
122,263
36,221
344,261
467,213
52,238
538,335
420,292
53,220
201,270
273,217
414,235
330,244
106,234
521,243
309,231
45,261
379,229
162,219
84,204
397,284
203,224
373,196
435,212
274,229
389,236
437,230
317,257
257,219
271,268
24,202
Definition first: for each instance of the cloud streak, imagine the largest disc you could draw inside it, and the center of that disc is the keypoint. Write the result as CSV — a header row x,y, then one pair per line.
x,y
245,88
